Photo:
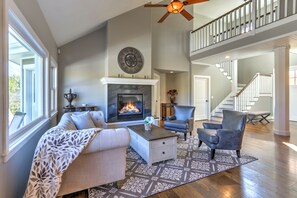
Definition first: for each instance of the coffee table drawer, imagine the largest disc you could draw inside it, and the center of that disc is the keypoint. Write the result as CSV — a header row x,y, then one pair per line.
x,y
163,142
162,153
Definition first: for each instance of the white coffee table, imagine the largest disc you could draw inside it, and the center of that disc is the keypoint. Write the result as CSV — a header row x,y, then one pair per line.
x,y
155,145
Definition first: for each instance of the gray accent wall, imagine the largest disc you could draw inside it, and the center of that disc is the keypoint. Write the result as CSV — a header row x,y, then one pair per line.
x,y
2,171
180,82
220,85
81,66
248,67
170,49
131,29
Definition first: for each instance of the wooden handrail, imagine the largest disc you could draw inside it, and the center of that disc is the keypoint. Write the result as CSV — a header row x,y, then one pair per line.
x,y
250,82
222,16
258,74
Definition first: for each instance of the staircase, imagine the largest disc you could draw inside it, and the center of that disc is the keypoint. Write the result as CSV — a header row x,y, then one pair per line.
x,y
245,97
228,103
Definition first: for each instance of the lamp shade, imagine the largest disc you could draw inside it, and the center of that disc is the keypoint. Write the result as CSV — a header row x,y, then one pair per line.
x,y
175,7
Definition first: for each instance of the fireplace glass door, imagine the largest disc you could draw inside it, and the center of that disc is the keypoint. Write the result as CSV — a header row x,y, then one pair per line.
x,y
130,106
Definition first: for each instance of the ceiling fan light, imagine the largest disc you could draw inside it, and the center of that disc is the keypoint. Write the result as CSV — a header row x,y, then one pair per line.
x,y
175,7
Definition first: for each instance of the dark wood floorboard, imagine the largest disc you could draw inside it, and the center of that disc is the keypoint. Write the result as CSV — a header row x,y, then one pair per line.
x,y
273,175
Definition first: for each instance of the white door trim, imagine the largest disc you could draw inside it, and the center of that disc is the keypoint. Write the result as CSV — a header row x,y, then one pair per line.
x,y
209,91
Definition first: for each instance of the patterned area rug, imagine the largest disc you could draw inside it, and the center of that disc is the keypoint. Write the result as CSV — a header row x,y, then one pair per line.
x,y
191,164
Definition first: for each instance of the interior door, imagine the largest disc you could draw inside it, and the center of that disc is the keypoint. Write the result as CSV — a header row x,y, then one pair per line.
x,y
201,97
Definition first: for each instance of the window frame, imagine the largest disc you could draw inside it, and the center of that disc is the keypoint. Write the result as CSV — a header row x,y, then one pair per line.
x,y
53,64
13,17
294,69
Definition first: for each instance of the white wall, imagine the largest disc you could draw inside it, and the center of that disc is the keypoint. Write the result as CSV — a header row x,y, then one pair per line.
x,y
131,29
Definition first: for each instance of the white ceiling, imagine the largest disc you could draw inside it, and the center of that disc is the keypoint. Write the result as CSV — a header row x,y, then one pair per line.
x,y
216,8
71,19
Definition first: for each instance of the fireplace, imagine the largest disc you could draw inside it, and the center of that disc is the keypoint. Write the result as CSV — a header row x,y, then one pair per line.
x,y
130,106
128,102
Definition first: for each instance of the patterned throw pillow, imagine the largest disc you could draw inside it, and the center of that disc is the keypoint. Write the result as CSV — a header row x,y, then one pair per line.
x,y
83,121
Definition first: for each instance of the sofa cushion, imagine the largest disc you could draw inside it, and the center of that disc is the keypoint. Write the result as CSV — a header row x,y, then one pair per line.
x,y
83,121
66,122
208,135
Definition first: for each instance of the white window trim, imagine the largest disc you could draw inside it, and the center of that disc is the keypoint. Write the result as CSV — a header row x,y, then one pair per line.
x,y
12,13
54,64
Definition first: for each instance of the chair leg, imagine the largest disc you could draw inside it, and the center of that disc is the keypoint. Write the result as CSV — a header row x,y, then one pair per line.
x,y
185,135
190,133
238,153
200,143
212,151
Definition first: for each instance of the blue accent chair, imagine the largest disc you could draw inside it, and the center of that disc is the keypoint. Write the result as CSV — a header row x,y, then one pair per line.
x,y
182,120
227,135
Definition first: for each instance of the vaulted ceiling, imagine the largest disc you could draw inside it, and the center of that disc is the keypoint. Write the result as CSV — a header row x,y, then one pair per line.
x,y
71,19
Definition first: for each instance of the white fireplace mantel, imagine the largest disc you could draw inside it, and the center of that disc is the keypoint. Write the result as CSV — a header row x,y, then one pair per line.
x,y
128,81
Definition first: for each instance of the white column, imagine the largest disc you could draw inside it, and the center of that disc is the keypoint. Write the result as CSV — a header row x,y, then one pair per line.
x,y
281,108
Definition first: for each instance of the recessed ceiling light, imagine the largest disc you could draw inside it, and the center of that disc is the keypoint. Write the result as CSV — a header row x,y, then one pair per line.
x,y
171,72
227,57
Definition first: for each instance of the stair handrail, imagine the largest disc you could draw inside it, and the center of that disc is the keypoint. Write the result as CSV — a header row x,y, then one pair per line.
x,y
246,86
242,5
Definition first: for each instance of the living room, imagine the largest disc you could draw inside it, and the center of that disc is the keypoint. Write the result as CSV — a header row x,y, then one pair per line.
x,y
85,59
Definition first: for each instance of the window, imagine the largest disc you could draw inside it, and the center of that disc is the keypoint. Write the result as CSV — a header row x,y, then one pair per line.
x,y
293,75
25,102
53,87
24,82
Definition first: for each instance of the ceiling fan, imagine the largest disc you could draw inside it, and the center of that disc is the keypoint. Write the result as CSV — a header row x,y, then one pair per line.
x,y
175,7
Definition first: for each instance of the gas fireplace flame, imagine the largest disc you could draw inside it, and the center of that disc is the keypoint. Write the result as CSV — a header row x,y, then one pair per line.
x,y
129,108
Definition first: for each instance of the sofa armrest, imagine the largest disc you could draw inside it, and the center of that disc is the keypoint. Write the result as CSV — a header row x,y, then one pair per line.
x,y
190,122
109,139
170,118
212,126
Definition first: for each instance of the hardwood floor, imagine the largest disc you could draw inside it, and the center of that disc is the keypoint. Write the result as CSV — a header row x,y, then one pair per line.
x,y
274,174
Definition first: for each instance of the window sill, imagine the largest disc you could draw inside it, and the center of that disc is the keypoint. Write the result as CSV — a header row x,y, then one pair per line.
x,y
18,143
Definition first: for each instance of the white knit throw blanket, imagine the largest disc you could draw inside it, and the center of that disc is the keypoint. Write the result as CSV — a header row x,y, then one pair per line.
x,y
56,150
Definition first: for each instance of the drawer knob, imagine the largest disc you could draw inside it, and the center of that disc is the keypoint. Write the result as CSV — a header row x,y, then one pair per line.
x,y
163,152
163,142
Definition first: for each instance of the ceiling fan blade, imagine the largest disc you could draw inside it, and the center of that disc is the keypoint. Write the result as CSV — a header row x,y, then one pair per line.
x,y
164,17
186,15
189,2
155,5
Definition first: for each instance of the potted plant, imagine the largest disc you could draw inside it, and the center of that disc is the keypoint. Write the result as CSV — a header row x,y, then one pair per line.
x,y
172,93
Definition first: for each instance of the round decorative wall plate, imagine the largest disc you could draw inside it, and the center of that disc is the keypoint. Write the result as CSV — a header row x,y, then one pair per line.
x,y
130,60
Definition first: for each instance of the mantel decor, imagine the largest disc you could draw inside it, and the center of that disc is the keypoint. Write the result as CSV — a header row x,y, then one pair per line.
x,y
70,97
172,93
130,60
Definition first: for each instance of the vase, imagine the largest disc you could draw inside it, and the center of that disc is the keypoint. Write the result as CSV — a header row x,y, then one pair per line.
x,y
172,99
147,126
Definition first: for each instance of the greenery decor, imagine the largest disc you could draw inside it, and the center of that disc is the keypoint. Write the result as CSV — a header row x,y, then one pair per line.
x,y
172,93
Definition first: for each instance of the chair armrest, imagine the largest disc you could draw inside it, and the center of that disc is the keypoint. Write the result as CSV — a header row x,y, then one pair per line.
x,y
229,139
109,139
212,126
170,117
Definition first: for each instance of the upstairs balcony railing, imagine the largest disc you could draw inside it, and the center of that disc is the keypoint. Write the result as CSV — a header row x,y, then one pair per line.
x,y
247,17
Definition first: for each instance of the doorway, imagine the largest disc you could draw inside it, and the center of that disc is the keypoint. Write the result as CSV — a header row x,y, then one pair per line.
x,y
202,97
